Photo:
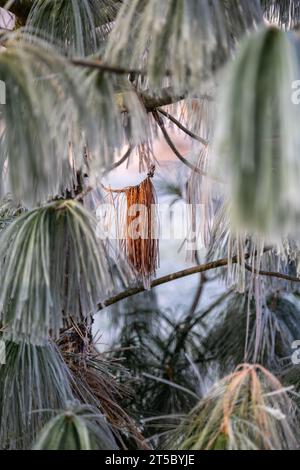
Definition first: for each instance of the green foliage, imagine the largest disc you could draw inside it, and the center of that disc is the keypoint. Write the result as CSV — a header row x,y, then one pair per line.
x,y
174,361
78,26
80,428
285,13
33,383
35,126
247,410
97,381
52,268
234,337
60,129
168,37
258,138
159,344
9,210
254,253
54,116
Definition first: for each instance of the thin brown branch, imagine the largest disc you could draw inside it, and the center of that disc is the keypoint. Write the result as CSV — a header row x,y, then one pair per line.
x,y
212,306
166,97
121,161
183,128
173,147
198,295
79,197
277,275
151,102
163,280
100,65
189,272
176,151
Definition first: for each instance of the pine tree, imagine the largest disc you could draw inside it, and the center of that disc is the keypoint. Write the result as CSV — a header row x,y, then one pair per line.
x,y
86,86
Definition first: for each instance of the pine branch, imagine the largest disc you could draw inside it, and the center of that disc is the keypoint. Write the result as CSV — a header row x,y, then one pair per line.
x,y
151,102
21,9
285,277
121,161
176,151
189,272
79,197
166,97
173,147
163,280
103,67
183,128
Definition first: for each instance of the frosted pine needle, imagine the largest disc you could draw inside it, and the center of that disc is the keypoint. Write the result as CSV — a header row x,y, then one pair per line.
x,y
33,383
247,410
79,27
257,139
188,39
52,268
79,428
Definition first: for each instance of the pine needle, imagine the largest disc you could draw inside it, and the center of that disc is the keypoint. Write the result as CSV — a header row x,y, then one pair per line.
x,y
53,269
241,412
79,428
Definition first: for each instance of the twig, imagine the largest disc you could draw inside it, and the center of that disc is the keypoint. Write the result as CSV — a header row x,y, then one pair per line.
x,y
151,102
202,281
121,161
285,277
173,147
211,307
198,294
170,277
189,272
163,280
165,97
85,192
171,384
183,128
176,151
99,65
